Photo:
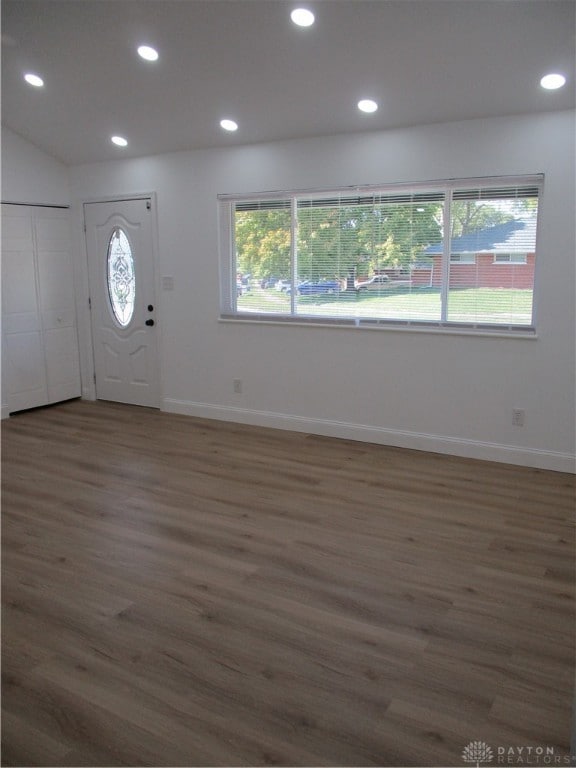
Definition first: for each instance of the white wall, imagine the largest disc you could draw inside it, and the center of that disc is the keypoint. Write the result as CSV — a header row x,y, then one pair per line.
x,y
448,393
29,175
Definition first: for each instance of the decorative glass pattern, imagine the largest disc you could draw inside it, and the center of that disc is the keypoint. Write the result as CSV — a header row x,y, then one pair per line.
x,y
121,282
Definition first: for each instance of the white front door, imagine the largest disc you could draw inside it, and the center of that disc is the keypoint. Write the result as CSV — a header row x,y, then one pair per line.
x,y
119,239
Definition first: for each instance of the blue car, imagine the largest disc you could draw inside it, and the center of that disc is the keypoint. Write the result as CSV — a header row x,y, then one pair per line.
x,y
309,288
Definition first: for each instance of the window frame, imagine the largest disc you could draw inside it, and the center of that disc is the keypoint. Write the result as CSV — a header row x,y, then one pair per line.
x,y
229,311
510,261
470,258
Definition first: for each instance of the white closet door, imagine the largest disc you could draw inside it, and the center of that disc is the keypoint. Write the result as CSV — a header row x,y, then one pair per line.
x,y
21,325
57,307
38,309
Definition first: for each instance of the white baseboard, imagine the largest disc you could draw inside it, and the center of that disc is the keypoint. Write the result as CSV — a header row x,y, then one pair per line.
x,y
5,412
470,449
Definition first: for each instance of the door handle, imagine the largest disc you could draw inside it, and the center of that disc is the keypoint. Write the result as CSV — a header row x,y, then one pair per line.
x,y
149,322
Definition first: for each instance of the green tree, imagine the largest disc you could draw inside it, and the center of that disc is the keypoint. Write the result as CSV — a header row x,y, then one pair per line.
x,y
472,216
334,241
327,244
263,242
402,231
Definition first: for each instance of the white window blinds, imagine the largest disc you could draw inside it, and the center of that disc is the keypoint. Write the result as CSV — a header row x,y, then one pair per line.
x,y
427,255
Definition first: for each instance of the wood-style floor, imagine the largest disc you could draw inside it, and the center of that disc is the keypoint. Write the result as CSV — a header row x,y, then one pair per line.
x,y
183,592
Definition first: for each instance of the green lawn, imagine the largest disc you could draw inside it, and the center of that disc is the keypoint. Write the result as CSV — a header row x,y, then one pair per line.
x,y
480,305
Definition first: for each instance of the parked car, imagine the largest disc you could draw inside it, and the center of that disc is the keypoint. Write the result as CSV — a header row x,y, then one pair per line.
x,y
268,282
283,285
382,283
309,287
376,283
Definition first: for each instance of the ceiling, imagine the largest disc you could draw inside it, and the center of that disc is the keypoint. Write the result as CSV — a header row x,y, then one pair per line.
x,y
424,61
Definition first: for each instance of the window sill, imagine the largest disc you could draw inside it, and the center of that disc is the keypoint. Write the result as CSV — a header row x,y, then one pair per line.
x,y
450,329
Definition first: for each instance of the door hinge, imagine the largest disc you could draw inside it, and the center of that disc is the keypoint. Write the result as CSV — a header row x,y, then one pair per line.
x,y
94,378
89,303
84,226
148,205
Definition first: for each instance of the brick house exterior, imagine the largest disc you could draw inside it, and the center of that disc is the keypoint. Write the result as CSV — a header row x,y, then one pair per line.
x,y
497,257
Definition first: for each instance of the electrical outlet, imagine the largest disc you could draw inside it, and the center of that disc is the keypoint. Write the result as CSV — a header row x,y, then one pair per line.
x,y
237,386
518,416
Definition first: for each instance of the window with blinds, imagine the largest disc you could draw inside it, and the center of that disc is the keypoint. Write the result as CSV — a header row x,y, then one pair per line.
x,y
451,254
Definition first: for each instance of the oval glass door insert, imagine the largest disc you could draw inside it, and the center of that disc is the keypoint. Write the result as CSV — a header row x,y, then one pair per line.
x,y
120,273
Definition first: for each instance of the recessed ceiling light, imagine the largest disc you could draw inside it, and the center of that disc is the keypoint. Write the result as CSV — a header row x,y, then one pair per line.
x,y
302,17
367,105
34,80
120,141
229,125
148,53
552,81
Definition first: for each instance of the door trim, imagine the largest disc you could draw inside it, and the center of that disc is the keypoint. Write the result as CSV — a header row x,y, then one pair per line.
x,y
83,309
